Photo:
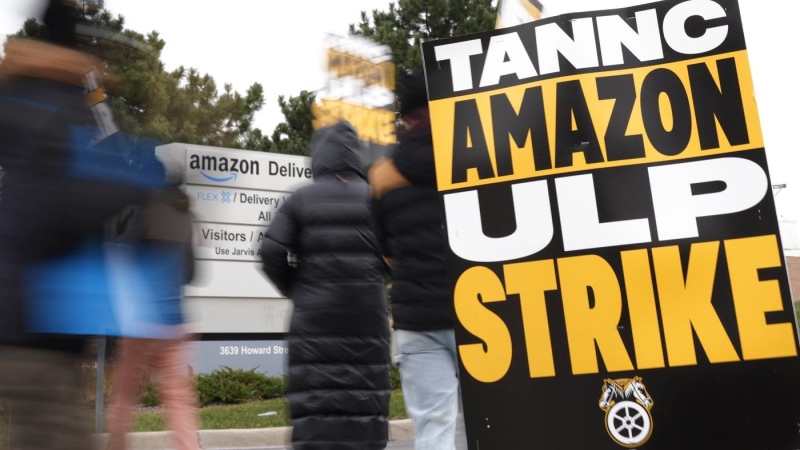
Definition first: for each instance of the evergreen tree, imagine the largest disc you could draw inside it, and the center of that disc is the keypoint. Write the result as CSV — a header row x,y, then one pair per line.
x,y
294,133
186,106
148,101
408,23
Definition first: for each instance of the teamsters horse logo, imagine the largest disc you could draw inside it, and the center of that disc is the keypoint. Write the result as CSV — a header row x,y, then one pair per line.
x,y
627,405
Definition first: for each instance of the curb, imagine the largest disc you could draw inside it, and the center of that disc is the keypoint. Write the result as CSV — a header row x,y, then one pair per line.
x,y
399,430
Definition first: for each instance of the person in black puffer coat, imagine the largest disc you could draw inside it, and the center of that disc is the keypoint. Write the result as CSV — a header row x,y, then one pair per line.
x,y
339,337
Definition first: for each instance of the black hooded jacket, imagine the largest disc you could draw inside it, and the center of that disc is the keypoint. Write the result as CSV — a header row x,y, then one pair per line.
x,y
339,338
409,230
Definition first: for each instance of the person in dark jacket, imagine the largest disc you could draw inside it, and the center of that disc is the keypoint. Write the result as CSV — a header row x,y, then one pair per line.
x,y
48,211
409,230
320,252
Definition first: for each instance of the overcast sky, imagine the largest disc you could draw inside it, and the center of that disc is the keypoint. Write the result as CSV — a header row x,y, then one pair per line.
x,y
278,44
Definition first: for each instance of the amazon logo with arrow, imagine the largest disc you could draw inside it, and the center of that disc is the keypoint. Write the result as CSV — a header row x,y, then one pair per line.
x,y
233,166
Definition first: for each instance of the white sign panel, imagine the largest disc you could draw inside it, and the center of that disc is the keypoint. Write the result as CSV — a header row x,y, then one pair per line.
x,y
231,279
237,206
245,169
228,242
235,195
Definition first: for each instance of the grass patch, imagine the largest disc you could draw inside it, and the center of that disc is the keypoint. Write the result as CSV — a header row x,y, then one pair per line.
x,y
397,406
222,417
149,421
246,415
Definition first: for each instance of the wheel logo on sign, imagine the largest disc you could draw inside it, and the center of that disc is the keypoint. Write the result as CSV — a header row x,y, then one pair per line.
x,y
627,405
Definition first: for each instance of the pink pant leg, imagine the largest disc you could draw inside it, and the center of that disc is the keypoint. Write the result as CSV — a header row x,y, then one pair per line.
x,y
128,373
177,392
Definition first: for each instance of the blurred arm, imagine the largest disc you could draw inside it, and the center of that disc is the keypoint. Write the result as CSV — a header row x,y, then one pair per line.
x,y
281,239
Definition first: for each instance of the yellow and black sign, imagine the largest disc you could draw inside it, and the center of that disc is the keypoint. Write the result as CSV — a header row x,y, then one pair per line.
x,y
359,89
610,220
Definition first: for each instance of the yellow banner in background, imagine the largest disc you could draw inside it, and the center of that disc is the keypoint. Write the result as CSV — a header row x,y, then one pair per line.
x,y
517,12
359,89
374,125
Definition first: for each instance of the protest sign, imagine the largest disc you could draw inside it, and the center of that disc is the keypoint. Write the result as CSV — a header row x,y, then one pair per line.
x,y
615,259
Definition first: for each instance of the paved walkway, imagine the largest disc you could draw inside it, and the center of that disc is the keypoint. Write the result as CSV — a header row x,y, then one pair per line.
x,y
272,438
401,435
395,445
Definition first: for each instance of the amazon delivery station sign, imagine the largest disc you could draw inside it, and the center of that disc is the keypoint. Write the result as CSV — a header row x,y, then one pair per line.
x,y
235,194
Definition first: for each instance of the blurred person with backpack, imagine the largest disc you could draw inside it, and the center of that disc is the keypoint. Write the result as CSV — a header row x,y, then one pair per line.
x,y
51,208
159,236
